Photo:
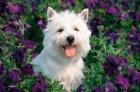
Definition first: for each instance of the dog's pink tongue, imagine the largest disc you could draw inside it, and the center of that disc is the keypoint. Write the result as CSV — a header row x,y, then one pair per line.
x,y
70,51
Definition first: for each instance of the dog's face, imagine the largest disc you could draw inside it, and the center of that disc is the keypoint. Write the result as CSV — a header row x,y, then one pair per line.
x,y
67,34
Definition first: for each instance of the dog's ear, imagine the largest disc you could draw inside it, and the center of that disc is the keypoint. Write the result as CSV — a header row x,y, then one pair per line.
x,y
50,12
84,14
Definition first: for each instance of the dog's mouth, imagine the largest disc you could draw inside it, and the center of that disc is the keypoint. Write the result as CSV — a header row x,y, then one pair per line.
x,y
70,50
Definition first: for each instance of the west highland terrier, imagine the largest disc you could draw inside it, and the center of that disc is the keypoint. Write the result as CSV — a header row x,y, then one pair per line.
x,y
66,42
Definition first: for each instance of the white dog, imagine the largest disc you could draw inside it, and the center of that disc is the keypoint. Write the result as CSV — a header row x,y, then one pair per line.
x,y
66,42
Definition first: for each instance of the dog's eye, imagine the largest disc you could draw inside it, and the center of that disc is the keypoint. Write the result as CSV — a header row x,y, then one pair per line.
x,y
60,30
76,29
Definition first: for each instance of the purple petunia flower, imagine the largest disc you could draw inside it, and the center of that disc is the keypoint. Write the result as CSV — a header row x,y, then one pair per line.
x,y
18,34
138,16
28,44
1,68
134,15
70,2
111,1
15,8
134,35
98,88
14,23
122,62
34,5
10,28
124,4
110,87
18,55
134,48
112,36
94,23
2,87
90,3
80,89
103,5
114,10
134,38
27,69
39,85
14,76
133,76
122,82
13,28
113,64
41,23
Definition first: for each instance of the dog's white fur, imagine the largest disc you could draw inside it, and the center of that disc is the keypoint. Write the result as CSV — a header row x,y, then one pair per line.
x,y
52,61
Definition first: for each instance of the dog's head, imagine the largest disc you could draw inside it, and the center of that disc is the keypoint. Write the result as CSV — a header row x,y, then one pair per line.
x,y
67,33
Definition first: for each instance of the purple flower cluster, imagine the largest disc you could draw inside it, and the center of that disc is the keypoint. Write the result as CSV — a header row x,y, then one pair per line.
x,y
28,44
90,3
34,5
110,87
18,55
39,85
98,88
14,27
27,69
14,76
112,36
134,38
134,35
15,8
65,4
113,66
133,76
11,28
114,10
41,23
122,82
71,2
94,23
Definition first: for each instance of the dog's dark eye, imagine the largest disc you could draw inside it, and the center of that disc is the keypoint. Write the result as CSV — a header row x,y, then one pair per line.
x,y
60,30
76,29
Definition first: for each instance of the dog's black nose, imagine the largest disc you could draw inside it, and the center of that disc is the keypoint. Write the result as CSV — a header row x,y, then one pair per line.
x,y
70,39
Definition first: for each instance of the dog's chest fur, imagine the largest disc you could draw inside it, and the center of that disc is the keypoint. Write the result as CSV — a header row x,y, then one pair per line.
x,y
69,74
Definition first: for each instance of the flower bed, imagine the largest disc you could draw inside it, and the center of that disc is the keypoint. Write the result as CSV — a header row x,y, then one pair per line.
x,y
112,65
